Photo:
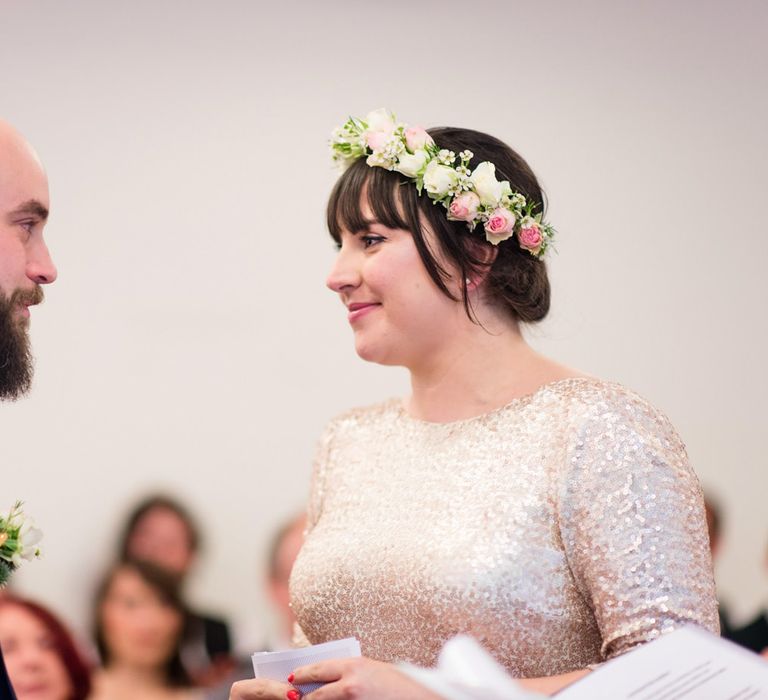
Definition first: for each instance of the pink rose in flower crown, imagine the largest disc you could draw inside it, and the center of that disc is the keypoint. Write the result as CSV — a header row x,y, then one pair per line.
x,y
416,138
376,139
500,225
530,237
464,207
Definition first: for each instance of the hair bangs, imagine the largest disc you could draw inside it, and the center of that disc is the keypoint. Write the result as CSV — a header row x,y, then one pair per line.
x,y
361,185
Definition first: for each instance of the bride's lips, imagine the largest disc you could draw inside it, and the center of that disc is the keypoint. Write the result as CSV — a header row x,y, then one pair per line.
x,y
359,309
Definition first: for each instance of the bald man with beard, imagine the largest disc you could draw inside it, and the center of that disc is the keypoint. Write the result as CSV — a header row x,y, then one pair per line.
x,y
25,265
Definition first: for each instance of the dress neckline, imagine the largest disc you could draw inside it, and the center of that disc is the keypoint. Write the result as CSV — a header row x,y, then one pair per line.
x,y
516,402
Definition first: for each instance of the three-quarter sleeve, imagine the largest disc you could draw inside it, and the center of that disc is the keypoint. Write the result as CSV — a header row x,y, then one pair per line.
x,y
631,518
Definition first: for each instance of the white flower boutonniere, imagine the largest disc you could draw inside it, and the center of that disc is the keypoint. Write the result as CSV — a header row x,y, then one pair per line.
x,y
18,541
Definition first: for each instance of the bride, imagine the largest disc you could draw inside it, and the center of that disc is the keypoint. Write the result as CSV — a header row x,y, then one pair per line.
x,y
551,515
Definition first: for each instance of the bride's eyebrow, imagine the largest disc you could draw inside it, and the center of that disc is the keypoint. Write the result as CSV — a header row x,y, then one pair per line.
x,y
367,224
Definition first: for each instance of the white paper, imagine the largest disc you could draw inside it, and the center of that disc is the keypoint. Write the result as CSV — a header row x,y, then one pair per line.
x,y
466,671
688,664
278,665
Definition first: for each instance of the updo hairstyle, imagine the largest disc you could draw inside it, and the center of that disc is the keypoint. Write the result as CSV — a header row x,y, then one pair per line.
x,y
515,280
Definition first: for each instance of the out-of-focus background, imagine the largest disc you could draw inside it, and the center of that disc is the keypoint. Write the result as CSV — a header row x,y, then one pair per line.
x,y
190,345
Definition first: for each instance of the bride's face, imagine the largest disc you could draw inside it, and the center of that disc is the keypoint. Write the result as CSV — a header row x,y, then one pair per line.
x,y
397,313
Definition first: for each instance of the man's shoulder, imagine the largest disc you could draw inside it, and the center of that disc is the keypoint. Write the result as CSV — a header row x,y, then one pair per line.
x,y
6,690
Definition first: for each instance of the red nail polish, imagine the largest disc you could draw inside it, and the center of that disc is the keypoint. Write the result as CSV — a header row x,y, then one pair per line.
x,y
290,678
292,695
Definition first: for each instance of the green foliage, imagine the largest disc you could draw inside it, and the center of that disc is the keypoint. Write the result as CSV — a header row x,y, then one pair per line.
x,y
5,572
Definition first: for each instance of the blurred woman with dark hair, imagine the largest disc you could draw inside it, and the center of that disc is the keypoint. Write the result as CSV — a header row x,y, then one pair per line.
x,y
140,622
42,659
161,530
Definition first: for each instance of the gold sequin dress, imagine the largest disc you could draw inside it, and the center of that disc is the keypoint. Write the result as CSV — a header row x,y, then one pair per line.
x,y
559,530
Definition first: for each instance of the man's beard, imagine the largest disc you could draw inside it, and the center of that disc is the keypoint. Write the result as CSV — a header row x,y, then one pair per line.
x,y
16,361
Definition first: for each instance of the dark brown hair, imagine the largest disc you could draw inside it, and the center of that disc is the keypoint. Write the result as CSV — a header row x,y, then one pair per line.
x,y
514,280
158,502
166,587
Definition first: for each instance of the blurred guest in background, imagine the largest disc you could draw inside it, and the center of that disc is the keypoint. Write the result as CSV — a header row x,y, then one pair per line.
x,y
283,550
754,635
140,623
714,528
42,660
282,553
162,531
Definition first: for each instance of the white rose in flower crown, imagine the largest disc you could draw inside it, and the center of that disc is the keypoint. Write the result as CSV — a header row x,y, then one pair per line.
x,y
410,165
381,120
439,179
379,159
485,184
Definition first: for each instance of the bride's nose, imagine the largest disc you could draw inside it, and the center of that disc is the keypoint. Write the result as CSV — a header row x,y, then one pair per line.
x,y
345,273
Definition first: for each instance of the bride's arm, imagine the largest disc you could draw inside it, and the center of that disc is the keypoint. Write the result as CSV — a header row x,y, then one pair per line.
x,y
349,679
631,519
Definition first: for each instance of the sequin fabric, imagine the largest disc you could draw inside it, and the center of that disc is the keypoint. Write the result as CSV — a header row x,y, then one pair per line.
x,y
559,530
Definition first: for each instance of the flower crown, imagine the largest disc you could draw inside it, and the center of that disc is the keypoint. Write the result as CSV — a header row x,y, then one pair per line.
x,y
474,196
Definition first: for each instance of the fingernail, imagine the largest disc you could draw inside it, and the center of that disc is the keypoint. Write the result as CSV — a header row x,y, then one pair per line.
x,y
290,678
292,695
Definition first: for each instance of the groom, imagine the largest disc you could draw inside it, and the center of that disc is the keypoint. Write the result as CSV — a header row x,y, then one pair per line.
x,y
25,265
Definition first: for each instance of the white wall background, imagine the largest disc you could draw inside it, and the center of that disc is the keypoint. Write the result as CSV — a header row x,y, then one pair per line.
x,y
190,344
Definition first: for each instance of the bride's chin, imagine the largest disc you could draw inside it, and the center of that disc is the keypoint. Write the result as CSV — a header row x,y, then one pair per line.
x,y
369,354
372,352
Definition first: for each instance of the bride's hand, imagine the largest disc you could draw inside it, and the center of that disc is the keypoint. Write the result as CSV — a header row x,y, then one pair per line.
x,y
259,689
351,679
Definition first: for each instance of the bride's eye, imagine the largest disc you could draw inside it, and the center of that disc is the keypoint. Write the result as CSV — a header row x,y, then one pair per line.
x,y
370,240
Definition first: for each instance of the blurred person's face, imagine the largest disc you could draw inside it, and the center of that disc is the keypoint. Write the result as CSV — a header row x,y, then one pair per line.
x,y
25,263
139,629
286,556
162,537
36,670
